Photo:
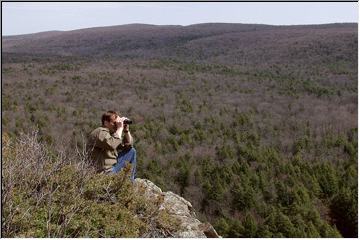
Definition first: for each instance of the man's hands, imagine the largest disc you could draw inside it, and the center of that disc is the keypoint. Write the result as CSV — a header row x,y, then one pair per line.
x,y
121,127
119,121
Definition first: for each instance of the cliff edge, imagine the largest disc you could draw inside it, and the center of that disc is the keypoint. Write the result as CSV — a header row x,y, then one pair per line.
x,y
179,209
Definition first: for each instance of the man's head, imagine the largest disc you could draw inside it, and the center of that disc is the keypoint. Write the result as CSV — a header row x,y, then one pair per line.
x,y
108,120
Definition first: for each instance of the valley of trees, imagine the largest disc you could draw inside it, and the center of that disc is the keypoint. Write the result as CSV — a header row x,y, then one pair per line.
x,y
259,135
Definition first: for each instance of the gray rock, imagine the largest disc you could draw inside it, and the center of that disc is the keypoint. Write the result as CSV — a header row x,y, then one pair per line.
x,y
178,208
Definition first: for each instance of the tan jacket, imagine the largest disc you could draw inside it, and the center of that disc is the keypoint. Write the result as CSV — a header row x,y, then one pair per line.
x,y
104,148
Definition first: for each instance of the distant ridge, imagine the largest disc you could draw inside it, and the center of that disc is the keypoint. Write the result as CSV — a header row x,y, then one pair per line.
x,y
230,42
215,24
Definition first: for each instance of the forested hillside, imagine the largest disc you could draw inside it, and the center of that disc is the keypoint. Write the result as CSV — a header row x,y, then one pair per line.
x,y
255,125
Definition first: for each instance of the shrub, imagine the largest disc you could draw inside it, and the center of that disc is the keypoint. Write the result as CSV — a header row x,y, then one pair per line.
x,y
50,194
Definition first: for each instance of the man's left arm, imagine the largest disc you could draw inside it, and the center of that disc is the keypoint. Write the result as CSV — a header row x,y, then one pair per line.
x,y
128,139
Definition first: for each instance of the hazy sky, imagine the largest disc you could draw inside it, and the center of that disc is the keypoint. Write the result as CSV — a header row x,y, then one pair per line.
x,y
20,18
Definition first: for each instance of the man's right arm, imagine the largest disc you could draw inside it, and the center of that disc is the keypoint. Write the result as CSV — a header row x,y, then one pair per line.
x,y
107,141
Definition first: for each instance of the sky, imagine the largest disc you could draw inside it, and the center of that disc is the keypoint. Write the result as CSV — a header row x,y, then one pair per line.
x,y
27,17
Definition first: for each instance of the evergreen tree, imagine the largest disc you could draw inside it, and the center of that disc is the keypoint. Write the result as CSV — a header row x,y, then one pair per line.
x,y
249,226
344,209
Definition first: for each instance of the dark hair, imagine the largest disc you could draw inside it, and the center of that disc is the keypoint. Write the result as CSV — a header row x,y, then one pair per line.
x,y
107,116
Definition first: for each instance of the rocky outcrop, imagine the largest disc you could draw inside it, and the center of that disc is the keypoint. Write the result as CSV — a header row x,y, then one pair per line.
x,y
180,210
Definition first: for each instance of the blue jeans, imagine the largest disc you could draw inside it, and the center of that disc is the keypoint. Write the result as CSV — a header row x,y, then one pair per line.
x,y
126,156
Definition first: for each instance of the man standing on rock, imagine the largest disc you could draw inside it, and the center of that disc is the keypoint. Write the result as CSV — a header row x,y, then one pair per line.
x,y
111,145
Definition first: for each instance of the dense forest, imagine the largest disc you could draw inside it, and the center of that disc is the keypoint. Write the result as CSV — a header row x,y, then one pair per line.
x,y
255,125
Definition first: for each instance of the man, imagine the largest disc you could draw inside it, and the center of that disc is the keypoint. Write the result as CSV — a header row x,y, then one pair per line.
x,y
110,151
